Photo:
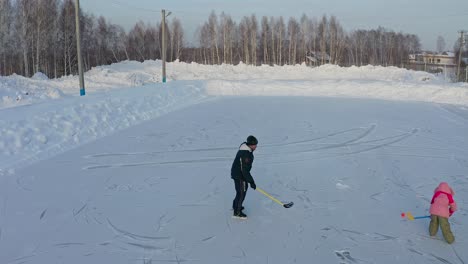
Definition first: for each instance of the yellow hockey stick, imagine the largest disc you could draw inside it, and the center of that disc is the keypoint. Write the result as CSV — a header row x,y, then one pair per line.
x,y
287,205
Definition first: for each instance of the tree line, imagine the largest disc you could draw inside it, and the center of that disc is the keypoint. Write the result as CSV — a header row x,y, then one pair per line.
x,y
274,41
39,36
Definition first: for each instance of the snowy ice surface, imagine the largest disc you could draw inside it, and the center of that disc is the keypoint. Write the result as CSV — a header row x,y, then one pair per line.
x,y
138,171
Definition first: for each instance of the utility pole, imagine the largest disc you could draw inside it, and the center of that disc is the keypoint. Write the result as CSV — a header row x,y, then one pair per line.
x,y
78,47
163,33
163,56
462,42
466,74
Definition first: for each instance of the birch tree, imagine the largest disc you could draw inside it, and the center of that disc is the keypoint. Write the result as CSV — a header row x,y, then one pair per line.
x,y
6,23
305,36
280,29
213,26
323,36
24,30
245,40
273,40
227,32
265,37
177,34
293,32
253,29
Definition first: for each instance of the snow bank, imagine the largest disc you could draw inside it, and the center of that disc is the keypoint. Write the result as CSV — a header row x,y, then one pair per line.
x,y
40,117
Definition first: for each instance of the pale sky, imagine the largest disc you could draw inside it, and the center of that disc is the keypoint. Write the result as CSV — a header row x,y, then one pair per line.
x,y
426,18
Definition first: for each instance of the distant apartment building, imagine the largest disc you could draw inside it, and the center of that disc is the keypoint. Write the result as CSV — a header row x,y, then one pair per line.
x,y
438,60
444,62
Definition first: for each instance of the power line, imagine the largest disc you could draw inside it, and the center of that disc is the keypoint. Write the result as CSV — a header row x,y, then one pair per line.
x,y
195,12
133,7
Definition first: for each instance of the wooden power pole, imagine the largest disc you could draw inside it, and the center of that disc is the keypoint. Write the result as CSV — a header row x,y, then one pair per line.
x,y
78,47
163,55
460,51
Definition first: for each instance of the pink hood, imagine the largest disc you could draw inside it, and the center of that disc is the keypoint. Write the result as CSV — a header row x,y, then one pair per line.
x,y
442,205
444,187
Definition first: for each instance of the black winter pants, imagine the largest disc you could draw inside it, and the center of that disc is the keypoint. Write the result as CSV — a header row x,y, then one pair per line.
x,y
241,191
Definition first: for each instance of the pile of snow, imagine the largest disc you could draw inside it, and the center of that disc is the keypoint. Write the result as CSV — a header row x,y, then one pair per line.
x,y
298,80
39,76
17,90
127,93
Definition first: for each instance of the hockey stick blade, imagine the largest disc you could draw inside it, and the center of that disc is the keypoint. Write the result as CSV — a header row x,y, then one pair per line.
x,y
288,205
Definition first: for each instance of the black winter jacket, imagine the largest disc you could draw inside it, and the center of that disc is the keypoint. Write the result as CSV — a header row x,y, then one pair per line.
x,y
242,164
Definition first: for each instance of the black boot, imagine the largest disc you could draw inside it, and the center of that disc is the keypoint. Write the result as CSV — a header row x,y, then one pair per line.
x,y
240,215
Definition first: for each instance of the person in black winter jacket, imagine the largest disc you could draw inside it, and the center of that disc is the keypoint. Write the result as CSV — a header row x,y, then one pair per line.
x,y
240,173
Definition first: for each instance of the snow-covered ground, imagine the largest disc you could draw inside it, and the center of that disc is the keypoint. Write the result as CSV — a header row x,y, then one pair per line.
x,y
138,172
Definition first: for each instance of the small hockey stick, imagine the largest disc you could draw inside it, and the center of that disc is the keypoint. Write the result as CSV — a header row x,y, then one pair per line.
x,y
410,216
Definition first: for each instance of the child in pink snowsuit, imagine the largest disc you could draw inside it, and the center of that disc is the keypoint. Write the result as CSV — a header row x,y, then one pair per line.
x,y
442,207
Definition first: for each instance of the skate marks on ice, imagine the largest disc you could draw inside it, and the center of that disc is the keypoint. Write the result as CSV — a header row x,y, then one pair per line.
x,y
347,142
163,221
147,244
345,257
456,114
156,163
40,217
432,257
357,236
133,236
352,142
243,256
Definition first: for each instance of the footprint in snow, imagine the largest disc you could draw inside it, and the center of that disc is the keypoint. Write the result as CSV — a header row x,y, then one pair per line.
x,y
345,257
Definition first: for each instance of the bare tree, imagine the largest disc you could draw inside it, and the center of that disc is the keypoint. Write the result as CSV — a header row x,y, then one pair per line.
x,y
122,42
265,40
253,28
293,32
116,42
24,24
152,37
323,32
102,33
305,36
204,42
137,41
440,44
43,12
89,41
213,26
227,31
67,37
177,34
6,25
273,39
333,35
314,38
337,37
244,31
280,30
39,35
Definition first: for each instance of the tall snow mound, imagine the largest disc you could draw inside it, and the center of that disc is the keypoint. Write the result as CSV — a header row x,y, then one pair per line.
x,y
39,76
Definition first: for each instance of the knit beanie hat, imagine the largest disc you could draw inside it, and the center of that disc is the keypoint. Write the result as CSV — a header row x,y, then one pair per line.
x,y
251,140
